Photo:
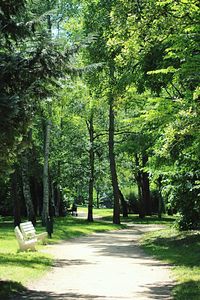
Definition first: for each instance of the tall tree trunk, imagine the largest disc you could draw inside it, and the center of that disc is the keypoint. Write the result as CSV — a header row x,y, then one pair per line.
x,y
59,211
161,206
91,180
26,188
124,205
45,209
37,196
98,197
52,204
58,200
16,200
146,187
138,177
116,212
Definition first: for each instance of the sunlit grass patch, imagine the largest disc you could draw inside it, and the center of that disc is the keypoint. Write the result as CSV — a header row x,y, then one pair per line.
x,y
18,267
182,251
98,212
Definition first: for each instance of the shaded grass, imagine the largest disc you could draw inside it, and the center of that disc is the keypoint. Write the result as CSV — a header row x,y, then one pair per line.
x,y
18,267
9,287
182,251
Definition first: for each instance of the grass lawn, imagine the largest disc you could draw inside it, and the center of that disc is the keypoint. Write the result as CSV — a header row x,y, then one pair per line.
x,y
182,251
16,267
106,214
97,212
133,218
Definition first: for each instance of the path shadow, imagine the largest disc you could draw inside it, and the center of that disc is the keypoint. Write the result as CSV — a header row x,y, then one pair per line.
x,y
41,295
157,292
9,287
12,290
59,263
122,244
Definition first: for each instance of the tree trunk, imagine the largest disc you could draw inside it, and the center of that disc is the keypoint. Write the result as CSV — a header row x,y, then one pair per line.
x,y
52,200
146,188
138,177
45,209
124,205
116,212
59,207
16,200
98,197
38,195
91,180
26,188
57,200
161,206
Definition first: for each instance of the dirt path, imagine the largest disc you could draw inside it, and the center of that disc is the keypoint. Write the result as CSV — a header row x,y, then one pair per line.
x,y
103,266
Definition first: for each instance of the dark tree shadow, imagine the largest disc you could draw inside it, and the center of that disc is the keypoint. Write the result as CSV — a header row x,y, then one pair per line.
x,y
157,292
189,290
59,263
11,290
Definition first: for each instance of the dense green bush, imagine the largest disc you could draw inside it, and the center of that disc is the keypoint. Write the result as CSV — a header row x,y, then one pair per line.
x,y
187,203
133,203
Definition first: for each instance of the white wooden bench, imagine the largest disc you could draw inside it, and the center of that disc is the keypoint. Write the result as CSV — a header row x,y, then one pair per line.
x,y
28,231
23,244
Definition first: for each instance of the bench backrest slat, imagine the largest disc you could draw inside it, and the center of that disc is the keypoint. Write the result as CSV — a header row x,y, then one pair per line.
x,y
27,229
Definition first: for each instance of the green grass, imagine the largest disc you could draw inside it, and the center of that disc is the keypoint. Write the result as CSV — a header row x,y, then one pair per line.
x,y
16,267
182,251
99,212
165,220
132,218
107,215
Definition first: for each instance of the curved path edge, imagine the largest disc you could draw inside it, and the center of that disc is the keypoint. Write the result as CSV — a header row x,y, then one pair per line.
x,y
108,265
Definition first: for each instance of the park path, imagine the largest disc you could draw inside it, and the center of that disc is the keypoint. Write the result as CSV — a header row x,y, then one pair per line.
x,y
103,266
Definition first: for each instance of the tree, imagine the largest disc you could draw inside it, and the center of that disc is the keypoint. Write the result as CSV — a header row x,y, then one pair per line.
x,y
97,17
157,40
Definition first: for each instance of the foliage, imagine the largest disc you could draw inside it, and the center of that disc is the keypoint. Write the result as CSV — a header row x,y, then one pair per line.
x,y
30,61
149,55
164,118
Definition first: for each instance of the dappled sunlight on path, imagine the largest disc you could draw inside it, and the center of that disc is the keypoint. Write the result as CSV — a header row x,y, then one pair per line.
x,y
103,266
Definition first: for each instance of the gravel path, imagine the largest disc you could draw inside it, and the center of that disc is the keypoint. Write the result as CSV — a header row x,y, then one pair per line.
x,y
103,266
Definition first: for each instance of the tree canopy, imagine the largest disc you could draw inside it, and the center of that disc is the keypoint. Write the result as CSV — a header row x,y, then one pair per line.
x,y
123,135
